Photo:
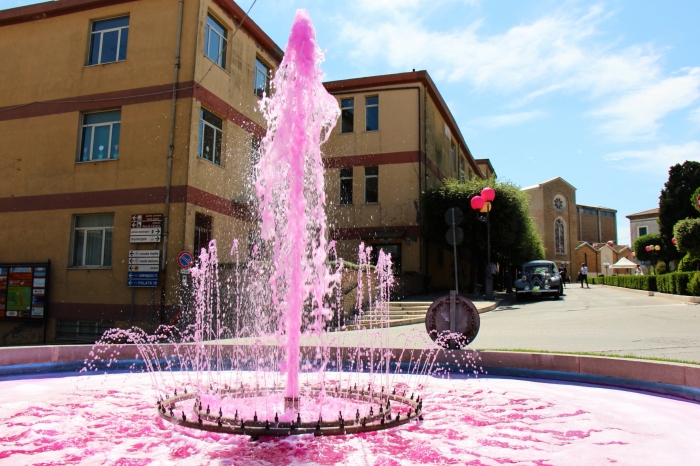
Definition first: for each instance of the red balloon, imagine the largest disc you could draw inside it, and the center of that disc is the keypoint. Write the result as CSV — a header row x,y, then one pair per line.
x,y
477,202
610,243
673,240
488,194
648,248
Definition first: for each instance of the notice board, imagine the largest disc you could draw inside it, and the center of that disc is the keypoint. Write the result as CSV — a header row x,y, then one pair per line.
x,y
24,290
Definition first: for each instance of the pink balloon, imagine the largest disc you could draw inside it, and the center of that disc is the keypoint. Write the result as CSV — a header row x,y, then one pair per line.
x,y
633,254
648,248
673,240
488,194
477,202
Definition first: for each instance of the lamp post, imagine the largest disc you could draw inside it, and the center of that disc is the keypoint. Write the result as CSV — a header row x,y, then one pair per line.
x,y
482,205
652,249
607,267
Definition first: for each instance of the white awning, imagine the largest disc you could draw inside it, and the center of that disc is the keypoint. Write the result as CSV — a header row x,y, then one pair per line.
x,y
624,263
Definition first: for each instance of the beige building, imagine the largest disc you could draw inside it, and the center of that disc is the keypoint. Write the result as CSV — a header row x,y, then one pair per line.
x,y
596,224
395,139
109,109
643,223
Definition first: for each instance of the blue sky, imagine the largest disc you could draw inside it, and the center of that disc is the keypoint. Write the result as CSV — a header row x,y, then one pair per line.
x,y
605,95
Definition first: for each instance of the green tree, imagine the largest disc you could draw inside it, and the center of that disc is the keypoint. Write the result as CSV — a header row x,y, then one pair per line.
x,y
642,242
676,203
687,234
514,237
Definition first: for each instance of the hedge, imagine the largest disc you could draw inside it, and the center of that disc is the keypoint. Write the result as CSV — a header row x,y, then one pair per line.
x,y
672,283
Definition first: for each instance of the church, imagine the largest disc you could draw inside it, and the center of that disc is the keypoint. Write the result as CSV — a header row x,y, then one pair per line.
x,y
574,233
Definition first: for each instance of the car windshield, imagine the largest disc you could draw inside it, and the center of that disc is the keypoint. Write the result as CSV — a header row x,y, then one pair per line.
x,y
539,268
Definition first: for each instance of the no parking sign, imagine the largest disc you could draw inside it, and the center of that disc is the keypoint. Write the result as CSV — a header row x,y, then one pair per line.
x,y
185,260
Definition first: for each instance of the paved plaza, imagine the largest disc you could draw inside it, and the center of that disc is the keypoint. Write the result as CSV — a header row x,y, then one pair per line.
x,y
599,320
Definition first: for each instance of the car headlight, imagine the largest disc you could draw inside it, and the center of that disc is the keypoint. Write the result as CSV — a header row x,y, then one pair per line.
x,y
524,278
546,287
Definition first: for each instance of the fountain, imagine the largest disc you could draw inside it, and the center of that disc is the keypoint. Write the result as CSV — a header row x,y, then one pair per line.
x,y
254,357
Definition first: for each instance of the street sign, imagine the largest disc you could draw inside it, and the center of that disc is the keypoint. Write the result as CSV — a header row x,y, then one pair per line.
x,y
144,268
185,259
144,253
458,216
144,260
454,238
142,276
142,283
147,218
144,239
185,271
145,232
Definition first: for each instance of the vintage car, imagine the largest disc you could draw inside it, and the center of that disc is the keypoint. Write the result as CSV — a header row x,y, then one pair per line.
x,y
539,278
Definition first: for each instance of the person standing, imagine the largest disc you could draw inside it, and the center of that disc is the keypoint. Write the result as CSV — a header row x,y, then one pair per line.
x,y
584,275
639,271
562,273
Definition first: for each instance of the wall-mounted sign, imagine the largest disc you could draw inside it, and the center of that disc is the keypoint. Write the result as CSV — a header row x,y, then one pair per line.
x,y
185,259
23,290
143,268
146,228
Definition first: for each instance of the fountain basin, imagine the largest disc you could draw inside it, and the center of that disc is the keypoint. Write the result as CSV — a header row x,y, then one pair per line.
x,y
531,409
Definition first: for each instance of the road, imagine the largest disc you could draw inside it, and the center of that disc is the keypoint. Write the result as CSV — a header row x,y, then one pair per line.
x,y
597,320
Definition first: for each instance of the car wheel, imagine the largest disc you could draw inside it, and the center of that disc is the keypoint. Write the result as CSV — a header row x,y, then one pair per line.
x,y
557,295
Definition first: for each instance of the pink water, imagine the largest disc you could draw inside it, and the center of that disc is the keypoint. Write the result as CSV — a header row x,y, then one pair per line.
x,y
487,421
290,188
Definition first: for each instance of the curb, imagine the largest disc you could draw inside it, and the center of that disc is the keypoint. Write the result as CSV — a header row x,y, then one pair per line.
x,y
674,297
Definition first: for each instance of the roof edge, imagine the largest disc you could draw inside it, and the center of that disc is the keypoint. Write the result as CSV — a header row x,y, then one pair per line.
x,y
422,77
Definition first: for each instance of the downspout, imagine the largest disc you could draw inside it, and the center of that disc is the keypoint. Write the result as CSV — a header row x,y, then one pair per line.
x,y
425,173
420,193
171,148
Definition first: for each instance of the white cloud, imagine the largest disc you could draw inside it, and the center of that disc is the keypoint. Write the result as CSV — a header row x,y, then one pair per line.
x,y
562,52
659,158
636,114
694,115
508,119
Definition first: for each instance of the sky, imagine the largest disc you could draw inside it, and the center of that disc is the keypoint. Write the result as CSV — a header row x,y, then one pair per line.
x,y
605,95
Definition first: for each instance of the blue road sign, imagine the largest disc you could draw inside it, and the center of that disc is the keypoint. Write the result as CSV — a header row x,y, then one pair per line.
x,y
142,283
142,276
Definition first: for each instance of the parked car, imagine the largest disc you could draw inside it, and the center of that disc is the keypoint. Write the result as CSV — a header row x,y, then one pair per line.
x,y
539,278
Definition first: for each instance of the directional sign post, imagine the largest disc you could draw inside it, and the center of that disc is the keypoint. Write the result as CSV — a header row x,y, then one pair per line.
x,y
143,268
146,228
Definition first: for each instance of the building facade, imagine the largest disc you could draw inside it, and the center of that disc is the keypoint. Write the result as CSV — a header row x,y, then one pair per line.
x,y
135,108
395,139
596,224
643,223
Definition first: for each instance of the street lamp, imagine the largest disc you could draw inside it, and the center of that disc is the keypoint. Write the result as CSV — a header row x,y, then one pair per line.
x,y
482,204
652,249
607,267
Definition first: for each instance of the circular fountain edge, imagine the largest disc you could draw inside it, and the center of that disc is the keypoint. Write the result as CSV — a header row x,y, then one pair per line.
x,y
667,378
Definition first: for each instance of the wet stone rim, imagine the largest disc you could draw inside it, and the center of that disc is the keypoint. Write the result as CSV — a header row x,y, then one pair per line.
x,y
203,419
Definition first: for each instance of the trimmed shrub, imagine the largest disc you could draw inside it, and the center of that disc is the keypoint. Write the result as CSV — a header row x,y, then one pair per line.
x,y
694,285
689,263
661,268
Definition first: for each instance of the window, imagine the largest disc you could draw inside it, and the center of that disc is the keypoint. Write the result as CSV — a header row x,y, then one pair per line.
x,y
92,240
607,214
371,185
559,237
346,186
210,131
642,231
372,113
108,39
559,203
100,137
254,155
215,42
262,79
461,170
202,233
453,156
347,115
394,250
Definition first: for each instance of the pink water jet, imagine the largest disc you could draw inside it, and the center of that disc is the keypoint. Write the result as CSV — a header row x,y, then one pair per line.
x,y
290,188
